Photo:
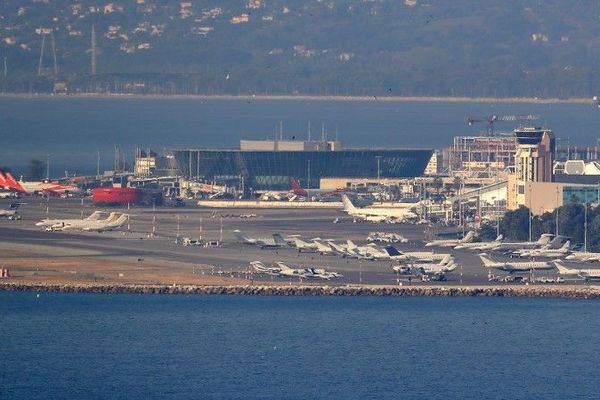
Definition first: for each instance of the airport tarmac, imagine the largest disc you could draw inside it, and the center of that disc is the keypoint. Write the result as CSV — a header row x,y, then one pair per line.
x,y
135,255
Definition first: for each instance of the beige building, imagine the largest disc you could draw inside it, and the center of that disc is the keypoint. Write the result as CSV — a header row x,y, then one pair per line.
x,y
533,163
542,197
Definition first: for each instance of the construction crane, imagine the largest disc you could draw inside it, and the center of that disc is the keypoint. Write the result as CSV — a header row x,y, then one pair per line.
x,y
490,120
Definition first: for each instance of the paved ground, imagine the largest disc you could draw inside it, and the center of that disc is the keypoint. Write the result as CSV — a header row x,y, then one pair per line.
x,y
135,256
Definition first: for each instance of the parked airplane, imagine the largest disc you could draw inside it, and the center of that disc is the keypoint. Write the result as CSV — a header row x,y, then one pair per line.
x,y
583,256
452,242
261,268
511,267
368,252
268,243
432,271
480,245
544,240
385,237
285,270
11,212
382,213
114,220
547,252
95,216
586,274
37,187
324,247
419,256
301,245
319,273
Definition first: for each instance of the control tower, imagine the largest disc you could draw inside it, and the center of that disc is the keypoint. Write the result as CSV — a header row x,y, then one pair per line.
x,y
533,160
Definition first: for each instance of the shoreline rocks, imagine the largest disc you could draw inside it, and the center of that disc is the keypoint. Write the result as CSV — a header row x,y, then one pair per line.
x,y
257,290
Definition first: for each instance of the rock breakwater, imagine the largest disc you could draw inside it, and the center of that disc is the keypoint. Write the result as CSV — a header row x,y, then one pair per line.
x,y
397,291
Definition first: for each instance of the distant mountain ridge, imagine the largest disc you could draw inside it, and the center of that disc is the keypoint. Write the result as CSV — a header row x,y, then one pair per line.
x,y
318,47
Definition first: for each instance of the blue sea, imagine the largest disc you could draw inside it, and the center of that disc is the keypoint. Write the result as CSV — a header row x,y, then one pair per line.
x,y
85,346
71,131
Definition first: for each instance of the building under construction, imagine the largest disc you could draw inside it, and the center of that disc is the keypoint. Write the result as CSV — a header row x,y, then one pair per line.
x,y
480,154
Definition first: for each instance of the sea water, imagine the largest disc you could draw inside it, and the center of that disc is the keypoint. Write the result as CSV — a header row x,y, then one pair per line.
x,y
227,347
71,131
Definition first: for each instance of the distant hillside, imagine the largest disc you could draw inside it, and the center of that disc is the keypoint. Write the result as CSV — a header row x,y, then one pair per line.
x,y
547,48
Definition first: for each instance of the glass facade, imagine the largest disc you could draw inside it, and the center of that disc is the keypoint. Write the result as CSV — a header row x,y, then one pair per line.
x,y
272,170
580,194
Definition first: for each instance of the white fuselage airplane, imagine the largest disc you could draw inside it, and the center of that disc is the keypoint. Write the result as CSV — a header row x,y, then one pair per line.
x,y
480,245
377,213
95,216
583,256
302,246
452,242
585,274
547,253
444,266
368,252
275,242
114,220
312,272
324,247
544,240
261,268
510,267
419,256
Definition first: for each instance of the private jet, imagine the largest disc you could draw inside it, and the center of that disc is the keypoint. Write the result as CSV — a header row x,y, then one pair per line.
x,y
267,243
452,242
95,216
480,245
586,274
547,252
377,214
512,267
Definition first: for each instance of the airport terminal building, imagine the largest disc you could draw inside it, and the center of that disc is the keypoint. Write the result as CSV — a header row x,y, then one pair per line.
x,y
269,165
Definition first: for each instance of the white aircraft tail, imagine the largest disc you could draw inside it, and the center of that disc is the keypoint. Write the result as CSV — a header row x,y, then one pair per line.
x,y
348,206
446,260
351,244
487,262
566,246
258,266
500,238
94,216
544,239
562,270
120,221
283,266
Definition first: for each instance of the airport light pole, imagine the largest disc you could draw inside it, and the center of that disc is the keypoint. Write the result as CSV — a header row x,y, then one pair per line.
x,y
530,216
556,227
307,175
221,231
378,169
585,227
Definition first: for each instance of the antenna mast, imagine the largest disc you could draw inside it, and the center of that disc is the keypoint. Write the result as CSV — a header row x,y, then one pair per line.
x,y
41,54
94,50
54,53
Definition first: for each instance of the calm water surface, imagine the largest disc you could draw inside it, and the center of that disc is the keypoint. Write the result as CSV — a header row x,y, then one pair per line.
x,y
217,347
73,130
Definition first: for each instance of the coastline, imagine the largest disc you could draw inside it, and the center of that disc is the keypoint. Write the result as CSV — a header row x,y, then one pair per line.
x,y
249,97
569,292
